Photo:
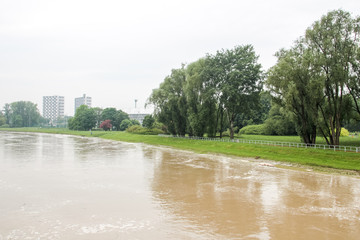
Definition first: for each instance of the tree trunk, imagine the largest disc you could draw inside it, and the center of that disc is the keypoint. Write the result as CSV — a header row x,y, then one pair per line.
x,y
231,122
232,130
221,121
313,136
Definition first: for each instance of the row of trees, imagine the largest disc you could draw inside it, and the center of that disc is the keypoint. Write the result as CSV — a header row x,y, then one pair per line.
x,y
314,87
26,114
205,95
318,79
87,118
21,114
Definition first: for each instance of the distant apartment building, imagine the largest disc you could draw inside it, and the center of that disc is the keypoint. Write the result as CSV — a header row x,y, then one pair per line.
x,y
138,116
84,100
53,108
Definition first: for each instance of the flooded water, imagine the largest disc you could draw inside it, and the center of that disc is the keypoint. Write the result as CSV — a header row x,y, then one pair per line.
x,y
66,187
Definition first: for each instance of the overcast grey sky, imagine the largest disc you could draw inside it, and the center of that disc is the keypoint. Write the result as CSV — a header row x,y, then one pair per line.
x,y
116,51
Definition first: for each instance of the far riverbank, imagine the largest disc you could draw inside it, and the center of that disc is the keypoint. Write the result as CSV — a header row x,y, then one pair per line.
x,y
314,159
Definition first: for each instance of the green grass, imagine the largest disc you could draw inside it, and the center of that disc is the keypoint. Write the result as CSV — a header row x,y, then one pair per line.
x,y
308,157
345,141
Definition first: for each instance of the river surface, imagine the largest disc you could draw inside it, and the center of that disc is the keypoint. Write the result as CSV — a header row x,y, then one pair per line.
x,y
67,187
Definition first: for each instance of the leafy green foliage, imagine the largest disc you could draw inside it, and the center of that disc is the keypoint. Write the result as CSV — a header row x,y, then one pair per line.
x,y
116,117
279,122
148,121
135,122
238,80
144,130
201,113
256,115
2,119
344,132
197,99
125,124
312,79
170,102
253,130
334,43
84,119
21,114
297,88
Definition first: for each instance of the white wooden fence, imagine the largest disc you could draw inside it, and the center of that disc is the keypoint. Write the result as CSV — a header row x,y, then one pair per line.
x,y
275,143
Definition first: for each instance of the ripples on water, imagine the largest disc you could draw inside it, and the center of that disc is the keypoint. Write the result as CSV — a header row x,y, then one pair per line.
x,y
65,187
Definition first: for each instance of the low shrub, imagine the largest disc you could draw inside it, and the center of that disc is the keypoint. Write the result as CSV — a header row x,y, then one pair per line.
x,y
145,131
253,130
226,133
344,132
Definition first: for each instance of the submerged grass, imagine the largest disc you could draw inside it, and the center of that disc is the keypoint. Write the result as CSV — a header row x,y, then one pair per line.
x,y
307,157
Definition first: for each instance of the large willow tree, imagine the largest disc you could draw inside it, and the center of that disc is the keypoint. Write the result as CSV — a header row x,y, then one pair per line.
x,y
196,99
237,78
317,76
170,102
297,86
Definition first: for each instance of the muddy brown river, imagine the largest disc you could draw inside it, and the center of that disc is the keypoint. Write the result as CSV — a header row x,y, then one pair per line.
x,y
66,187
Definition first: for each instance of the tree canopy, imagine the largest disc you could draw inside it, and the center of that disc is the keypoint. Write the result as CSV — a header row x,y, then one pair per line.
x,y
196,99
317,77
21,114
84,119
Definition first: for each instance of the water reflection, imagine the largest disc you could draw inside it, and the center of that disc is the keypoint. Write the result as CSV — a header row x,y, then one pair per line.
x,y
64,187
243,200
13,143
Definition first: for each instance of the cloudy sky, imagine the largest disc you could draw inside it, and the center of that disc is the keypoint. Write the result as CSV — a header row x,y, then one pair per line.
x,y
116,51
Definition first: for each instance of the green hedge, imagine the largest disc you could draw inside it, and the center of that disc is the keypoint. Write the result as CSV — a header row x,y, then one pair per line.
x,y
145,131
253,130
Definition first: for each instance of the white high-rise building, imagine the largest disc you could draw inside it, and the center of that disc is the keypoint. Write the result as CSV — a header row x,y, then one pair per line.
x,y
53,107
84,100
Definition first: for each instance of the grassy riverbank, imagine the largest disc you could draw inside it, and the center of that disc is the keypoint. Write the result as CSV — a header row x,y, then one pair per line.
x,y
308,157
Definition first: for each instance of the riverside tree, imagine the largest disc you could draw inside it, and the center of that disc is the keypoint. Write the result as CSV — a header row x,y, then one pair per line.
x,y
170,102
199,92
196,99
334,43
148,121
298,87
84,119
116,116
319,75
106,125
354,84
22,114
238,81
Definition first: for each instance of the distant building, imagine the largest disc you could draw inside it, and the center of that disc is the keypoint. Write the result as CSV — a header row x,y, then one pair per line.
x,y
138,116
84,100
53,108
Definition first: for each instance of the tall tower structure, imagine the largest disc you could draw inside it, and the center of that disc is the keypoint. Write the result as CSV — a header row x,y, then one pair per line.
x,y
53,108
84,100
